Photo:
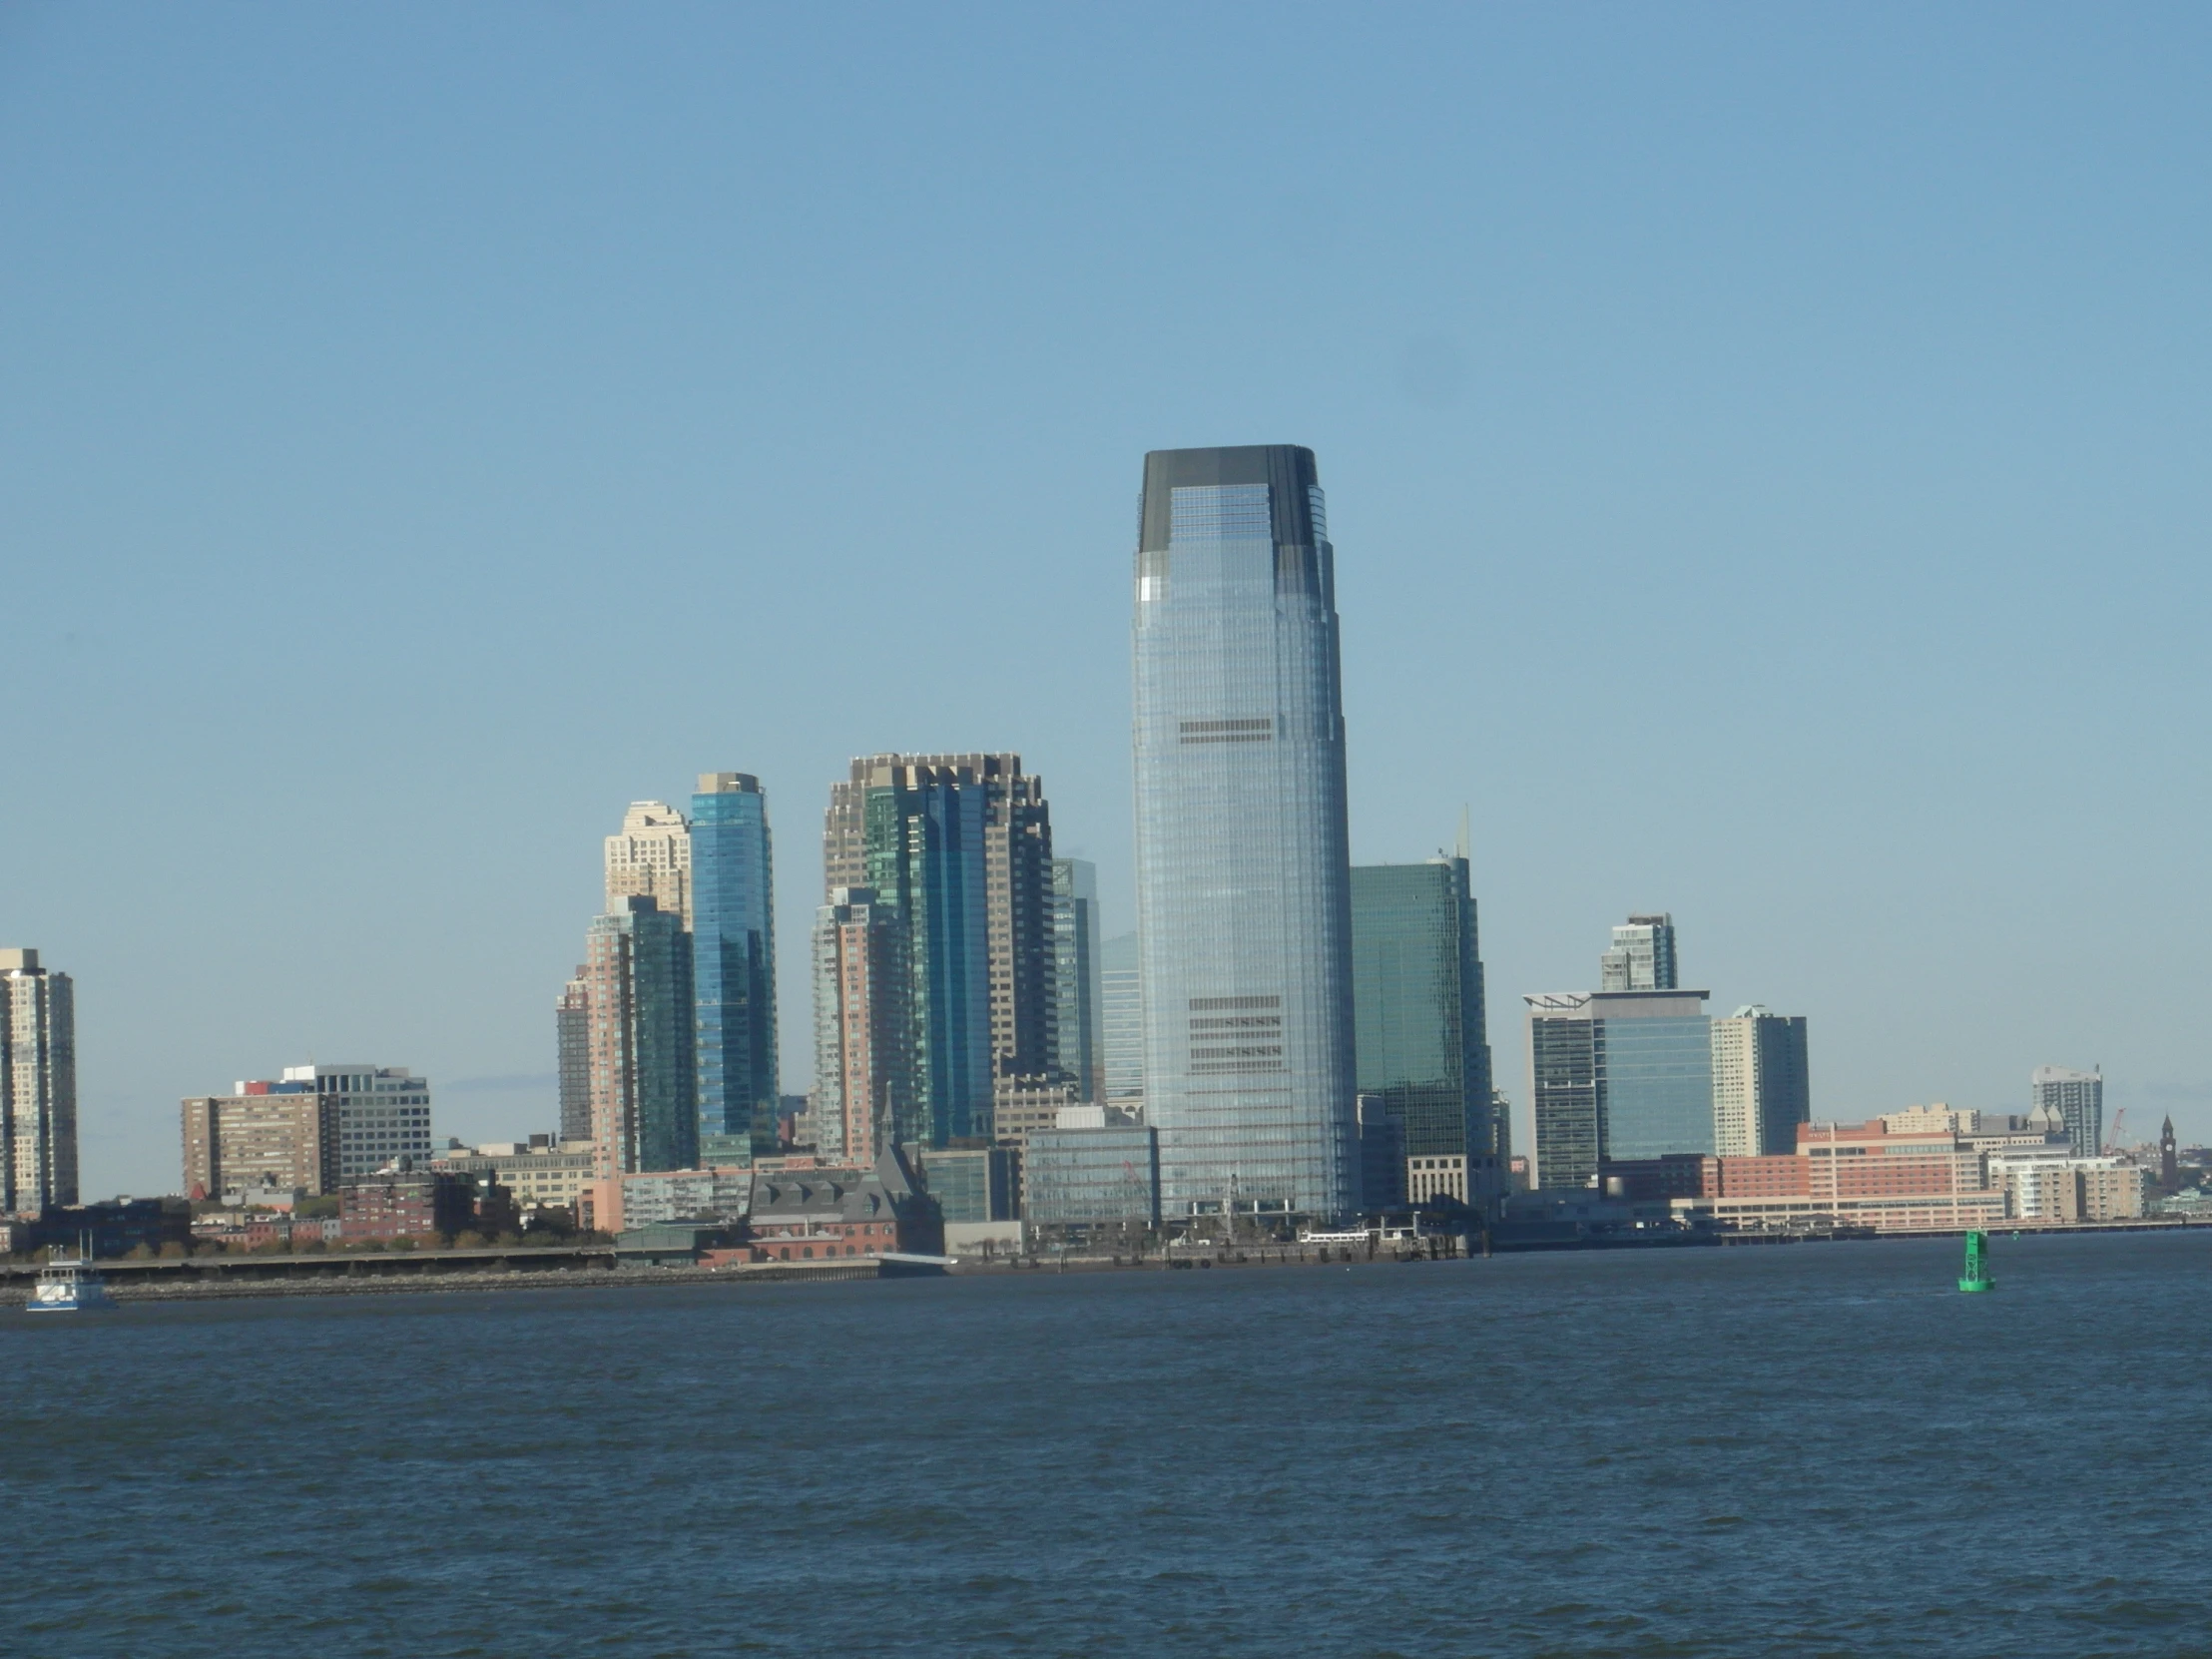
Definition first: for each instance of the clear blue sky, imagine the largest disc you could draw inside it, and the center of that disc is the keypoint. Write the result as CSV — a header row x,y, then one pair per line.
x,y
1766,449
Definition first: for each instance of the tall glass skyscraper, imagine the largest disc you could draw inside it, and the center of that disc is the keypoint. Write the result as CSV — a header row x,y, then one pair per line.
x,y
1079,1047
734,958
1017,884
1242,870
1424,1052
924,850
1121,1019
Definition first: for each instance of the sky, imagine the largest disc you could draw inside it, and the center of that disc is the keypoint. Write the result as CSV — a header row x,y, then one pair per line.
x,y
1765,449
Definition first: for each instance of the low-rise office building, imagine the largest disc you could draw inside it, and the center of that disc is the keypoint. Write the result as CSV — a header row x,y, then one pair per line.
x,y
539,1171
649,1198
1107,1175
115,1227
1437,1179
653,1197
972,1179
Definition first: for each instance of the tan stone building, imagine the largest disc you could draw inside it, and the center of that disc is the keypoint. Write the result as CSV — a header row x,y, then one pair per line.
x,y
1022,1105
540,1170
261,1138
2057,1191
651,858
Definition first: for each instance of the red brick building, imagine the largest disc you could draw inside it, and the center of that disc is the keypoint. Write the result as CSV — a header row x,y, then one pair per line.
x,y
407,1205
813,1215
1909,1170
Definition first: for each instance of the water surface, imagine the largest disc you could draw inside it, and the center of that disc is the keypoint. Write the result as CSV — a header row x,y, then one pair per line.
x,y
1818,1450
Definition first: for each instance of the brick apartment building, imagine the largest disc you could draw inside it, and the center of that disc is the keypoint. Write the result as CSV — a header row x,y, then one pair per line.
x,y
407,1205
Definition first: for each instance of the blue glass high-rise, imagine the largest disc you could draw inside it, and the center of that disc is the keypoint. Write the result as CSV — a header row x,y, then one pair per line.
x,y
1243,872
923,837
733,956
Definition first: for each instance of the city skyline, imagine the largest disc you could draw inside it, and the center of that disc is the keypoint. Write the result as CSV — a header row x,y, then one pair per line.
x,y
1727,403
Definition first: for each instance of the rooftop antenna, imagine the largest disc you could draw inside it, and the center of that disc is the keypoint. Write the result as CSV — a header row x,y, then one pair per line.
x,y
1465,852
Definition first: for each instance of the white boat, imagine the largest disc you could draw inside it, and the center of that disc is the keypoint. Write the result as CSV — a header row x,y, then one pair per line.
x,y
69,1284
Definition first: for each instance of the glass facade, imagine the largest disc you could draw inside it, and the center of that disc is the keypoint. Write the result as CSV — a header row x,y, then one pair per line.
x,y
1092,1177
1423,1055
571,1023
734,958
644,1086
1121,1017
1078,1043
2077,1099
972,1183
1243,901
1016,831
1641,957
925,851
1655,1074
1563,1062
1618,1075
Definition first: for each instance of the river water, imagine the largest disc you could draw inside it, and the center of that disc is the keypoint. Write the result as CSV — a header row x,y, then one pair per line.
x,y
1820,1449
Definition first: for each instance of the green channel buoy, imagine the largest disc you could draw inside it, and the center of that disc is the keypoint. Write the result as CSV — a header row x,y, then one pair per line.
x,y
1976,1277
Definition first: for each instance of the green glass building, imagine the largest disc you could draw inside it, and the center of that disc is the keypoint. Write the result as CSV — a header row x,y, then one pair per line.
x,y
1422,1041
925,851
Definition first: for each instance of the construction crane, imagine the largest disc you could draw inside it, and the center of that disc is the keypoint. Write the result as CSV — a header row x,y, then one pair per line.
x,y
2112,1141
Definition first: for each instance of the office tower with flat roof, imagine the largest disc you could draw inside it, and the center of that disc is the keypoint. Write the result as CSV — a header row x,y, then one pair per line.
x,y
2078,1097
1762,1085
1423,1056
923,837
651,857
644,1050
1121,1020
1641,958
572,1030
1016,837
865,1095
370,1115
1079,1046
1617,1075
1244,911
38,1086
734,958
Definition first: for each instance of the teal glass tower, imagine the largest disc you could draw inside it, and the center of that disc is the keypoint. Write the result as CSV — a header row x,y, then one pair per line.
x,y
1079,1046
1423,1049
925,851
1243,876
734,958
